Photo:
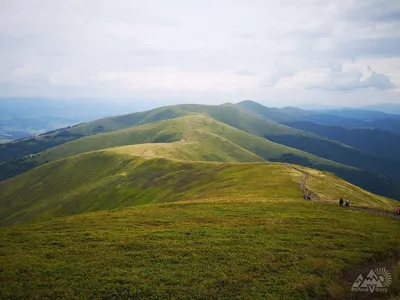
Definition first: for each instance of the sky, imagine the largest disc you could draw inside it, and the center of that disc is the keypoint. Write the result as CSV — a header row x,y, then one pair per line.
x,y
288,52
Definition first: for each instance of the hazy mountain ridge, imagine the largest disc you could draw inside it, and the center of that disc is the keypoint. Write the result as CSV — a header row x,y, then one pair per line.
x,y
376,173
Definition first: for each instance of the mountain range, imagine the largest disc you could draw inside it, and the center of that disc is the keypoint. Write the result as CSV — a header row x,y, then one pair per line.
x,y
202,200
364,156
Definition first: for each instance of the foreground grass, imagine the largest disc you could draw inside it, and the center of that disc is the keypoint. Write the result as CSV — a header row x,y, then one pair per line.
x,y
295,250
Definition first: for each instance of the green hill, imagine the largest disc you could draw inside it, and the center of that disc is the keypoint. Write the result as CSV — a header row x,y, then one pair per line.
x,y
210,140
227,114
202,230
190,207
53,138
378,175
130,175
280,115
195,138
201,138
362,150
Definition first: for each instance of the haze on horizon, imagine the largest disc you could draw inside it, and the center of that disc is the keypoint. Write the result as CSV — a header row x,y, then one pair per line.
x,y
336,53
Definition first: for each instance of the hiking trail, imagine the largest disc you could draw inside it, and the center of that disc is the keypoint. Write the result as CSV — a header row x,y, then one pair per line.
x,y
314,197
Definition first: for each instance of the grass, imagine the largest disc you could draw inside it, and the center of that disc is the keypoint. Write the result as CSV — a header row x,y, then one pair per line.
x,y
201,139
127,223
242,249
338,188
106,180
109,225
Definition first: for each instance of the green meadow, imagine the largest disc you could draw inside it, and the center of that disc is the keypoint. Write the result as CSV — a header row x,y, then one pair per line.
x,y
204,249
189,208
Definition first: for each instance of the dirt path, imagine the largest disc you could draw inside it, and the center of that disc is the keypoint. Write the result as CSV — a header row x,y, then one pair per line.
x,y
310,195
187,134
307,194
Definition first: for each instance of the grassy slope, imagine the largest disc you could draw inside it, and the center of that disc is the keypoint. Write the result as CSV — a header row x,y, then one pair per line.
x,y
228,114
329,147
231,242
106,180
201,138
51,139
103,180
205,139
338,188
229,229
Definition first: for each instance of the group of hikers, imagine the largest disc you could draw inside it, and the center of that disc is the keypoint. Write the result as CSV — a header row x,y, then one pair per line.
x,y
341,202
307,194
347,202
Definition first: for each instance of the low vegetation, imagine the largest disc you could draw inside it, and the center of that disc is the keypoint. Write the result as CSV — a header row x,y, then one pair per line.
x,y
216,248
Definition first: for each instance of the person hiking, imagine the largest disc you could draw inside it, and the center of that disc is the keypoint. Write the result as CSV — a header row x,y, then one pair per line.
x,y
341,201
398,210
347,202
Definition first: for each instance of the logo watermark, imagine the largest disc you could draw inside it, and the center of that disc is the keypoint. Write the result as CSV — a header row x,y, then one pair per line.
x,y
377,280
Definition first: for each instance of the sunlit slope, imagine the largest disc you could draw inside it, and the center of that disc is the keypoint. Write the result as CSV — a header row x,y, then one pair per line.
x,y
200,138
330,188
228,114
106,180
190,138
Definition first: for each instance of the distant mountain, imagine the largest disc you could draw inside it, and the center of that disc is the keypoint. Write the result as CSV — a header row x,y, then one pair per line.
x,y
353,113
19,127
255,137
349,118
280,115
26,117
389,108
381,143
227,114
85,109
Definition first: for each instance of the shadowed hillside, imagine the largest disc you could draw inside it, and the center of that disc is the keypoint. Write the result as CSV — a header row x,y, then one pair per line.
x,y
381,143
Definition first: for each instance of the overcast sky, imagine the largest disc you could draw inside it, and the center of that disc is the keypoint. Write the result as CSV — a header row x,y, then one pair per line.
x,y
284,52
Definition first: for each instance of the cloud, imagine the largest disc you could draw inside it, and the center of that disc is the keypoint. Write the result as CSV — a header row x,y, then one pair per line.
x,y
273,78
131,47
351,80
375,10
245,73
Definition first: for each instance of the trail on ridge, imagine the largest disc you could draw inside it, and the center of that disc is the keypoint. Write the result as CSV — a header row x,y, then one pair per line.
x,y
314,197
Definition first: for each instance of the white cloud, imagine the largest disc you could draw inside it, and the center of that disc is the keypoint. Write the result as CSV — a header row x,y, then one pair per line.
x,y
216,48
174,80
334,79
